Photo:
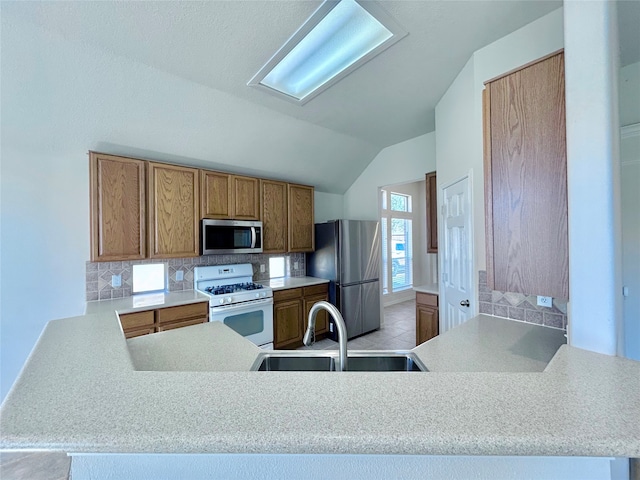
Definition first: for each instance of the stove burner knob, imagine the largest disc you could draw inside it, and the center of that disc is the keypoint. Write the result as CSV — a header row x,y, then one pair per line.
x,y
221,301
228,299
257,295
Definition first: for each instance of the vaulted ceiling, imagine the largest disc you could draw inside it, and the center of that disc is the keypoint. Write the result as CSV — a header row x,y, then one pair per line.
x,y
220,45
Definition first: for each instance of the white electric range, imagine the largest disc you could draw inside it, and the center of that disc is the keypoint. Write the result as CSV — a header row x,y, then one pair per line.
x,y
237,301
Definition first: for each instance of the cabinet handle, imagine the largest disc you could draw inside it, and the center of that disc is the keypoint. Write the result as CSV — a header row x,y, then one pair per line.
x,y
464,303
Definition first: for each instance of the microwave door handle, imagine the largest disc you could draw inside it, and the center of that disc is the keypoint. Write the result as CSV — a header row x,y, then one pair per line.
x,y
253,237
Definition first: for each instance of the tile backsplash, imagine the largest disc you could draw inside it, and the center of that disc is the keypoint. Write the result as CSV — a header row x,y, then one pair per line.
x,y
518,306
98,274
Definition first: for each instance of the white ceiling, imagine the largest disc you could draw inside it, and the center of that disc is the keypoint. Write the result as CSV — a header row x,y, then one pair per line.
x,y
220,45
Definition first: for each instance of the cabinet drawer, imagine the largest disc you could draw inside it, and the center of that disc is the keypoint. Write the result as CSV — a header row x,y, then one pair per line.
x,y
287,294
183,312
426,299
138,332
137,320
316,289
183,323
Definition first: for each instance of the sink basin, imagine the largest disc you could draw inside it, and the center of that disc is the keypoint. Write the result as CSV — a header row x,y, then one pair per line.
x,y
325,361
291,363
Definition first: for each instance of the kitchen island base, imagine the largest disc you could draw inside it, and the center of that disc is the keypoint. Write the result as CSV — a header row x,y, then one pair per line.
x,y
351,467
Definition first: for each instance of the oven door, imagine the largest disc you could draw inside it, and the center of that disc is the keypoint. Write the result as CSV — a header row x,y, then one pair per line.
x,y
253,320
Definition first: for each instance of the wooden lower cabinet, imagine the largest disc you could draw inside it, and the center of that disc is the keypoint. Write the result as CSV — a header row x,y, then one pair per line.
x,y
426,317
312,295
162,319
287,329
291,313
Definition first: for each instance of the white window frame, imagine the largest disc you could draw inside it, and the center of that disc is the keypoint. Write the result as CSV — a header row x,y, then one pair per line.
x,y
386,215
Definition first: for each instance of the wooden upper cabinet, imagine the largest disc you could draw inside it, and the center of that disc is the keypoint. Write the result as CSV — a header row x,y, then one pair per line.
x,y
117,187
173,211
301,226
526,180
245,193
432,213
215,194
229,196
274,216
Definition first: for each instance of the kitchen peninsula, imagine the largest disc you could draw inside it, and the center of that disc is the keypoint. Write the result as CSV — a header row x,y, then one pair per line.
x,y
491,390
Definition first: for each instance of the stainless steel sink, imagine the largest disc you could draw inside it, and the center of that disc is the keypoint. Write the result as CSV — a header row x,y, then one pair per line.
x,y
325,361
293,363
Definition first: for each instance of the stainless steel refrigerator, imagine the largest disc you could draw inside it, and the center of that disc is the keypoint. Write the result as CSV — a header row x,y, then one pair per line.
x,y
348,255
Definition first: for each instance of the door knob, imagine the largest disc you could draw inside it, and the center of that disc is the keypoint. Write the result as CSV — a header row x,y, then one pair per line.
x,y
464,303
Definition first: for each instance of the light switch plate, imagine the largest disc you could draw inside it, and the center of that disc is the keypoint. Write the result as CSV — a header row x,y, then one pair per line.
x,y
545,301
179,275
295,265
262,268
116,280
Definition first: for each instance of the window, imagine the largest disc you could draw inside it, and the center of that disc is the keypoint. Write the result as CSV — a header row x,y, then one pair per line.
x,y
149,278
397,245
276,267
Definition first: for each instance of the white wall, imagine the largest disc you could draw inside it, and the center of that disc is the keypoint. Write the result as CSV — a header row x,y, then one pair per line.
x,y
629,90
593,176
630,206
404,162
327,206
459,112
60,100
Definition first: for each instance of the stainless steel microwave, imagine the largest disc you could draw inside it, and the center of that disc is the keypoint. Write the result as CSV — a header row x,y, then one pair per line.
x,y
230,236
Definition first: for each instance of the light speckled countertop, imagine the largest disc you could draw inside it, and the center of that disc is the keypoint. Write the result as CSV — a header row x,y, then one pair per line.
x,y
79,391
149,301
293,282
428,288
206,347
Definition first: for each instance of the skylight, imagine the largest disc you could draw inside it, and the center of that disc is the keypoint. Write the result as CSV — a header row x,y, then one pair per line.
x,y
337,39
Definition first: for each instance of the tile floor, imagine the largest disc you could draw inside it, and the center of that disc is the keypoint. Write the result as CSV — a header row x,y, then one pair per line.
x,y
34,466
397,332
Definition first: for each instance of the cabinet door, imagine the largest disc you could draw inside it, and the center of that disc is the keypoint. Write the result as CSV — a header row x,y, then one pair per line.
x,y
117,187
526,181
245,195
274,216
173,211
432,213
216,194
287,328
426,323
322,318
301,234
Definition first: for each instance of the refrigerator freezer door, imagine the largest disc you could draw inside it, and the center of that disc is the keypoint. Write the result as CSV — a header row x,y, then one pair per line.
x,y
349,261
323,263
370,251
370,306
351,309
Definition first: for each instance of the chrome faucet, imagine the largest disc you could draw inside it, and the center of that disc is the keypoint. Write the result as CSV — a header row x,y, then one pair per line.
x,y
342,331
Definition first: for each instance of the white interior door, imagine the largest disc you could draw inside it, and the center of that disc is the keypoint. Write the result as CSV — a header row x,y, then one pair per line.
x,y
458,303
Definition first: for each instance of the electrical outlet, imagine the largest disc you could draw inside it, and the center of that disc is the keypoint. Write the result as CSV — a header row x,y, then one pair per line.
x,y
263,268
116,280
179,275
545,301
295,265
